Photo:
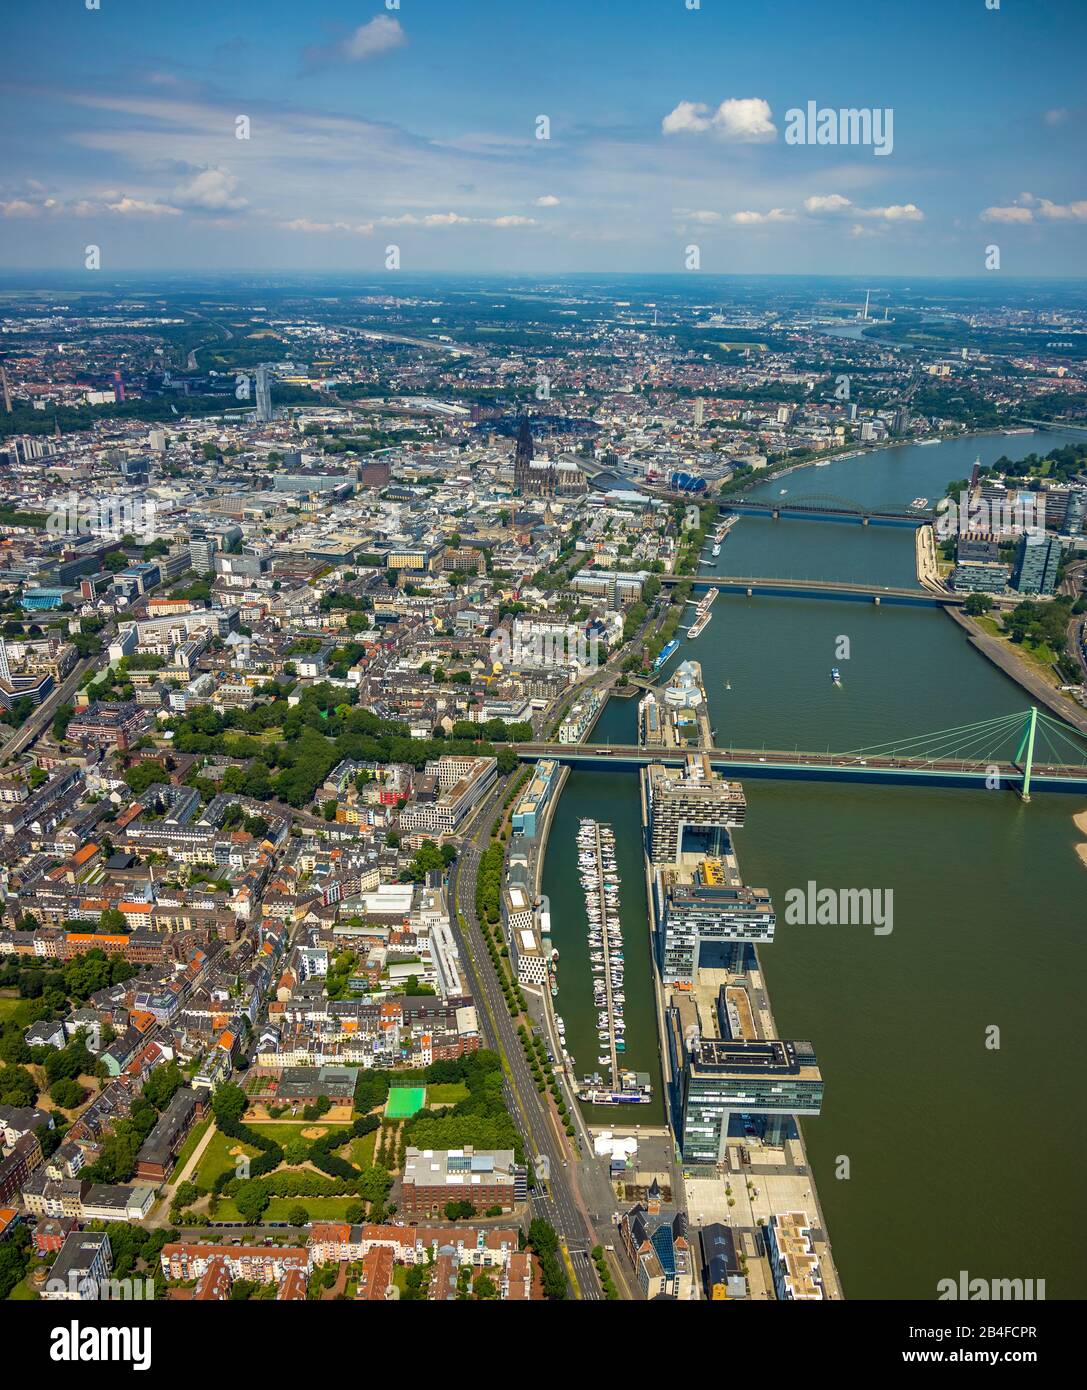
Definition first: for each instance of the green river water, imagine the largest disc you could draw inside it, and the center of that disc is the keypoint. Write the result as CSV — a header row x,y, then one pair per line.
x,y
961,1157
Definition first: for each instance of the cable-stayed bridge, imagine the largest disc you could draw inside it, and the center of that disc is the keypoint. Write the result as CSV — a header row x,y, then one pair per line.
x,y
1024,752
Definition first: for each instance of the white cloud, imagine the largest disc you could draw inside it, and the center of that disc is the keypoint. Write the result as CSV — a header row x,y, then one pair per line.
x,y
701,215
829,202
305,224
1062,212
1057,116
1009,214
834,203
755,219
378,36
109,202
744,118
737,118
21,207
141,207
547,201
1028,208
897,212
687,116
455,219
211,190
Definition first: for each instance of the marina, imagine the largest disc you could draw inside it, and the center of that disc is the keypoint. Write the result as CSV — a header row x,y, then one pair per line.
x,y
598,871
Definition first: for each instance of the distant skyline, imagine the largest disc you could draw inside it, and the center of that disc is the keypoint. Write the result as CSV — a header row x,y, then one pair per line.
x,y
669,128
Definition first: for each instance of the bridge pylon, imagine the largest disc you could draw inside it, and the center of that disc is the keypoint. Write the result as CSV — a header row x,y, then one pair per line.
x,y
1026,746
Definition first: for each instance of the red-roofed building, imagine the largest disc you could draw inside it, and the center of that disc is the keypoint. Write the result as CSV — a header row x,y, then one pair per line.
x,y
292,1287
377,1275
214,1284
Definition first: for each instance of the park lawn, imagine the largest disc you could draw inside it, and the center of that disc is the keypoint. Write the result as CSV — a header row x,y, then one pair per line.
x,y
9,1006
218,1158
1042,653
319,1208
286,1132
189,1147
448,1094
362,1150
22,1292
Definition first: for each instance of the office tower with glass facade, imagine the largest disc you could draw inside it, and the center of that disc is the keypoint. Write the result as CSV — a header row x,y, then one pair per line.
x,y
1036,563
692,802
724,1080
706,921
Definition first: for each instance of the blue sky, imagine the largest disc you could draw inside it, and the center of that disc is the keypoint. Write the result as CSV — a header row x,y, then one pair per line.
x,y
417,126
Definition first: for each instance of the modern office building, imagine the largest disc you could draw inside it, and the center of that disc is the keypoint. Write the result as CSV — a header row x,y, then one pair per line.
x,y
486,1178
264,394
1076,512
618,588
1036,563
528,814
658,1245
979,577
703,921
692,801
719,1081
81,1268
462,783
206,542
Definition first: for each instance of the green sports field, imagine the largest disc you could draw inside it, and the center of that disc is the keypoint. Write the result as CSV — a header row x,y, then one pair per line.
x,y
404,1101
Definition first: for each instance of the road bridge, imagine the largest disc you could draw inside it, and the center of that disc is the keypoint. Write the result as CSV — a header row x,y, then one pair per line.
x,y
814,588
973,755
823,507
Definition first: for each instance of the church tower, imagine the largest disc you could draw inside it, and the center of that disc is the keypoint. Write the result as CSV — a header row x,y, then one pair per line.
x,y
522,459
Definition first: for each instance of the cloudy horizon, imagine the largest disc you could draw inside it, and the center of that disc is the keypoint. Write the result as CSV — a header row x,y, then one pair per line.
x,y
485,137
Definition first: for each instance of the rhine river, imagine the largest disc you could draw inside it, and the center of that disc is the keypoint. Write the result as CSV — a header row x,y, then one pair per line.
x,y
961,1157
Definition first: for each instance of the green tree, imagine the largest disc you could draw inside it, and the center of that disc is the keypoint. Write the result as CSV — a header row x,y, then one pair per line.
x,y
230,1103
112,922
67,1093
251,1199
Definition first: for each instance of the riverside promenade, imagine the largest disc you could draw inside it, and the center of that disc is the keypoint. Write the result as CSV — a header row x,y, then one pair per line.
x,y
1018,670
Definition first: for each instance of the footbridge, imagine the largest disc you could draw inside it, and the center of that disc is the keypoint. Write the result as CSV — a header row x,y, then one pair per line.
x,y
1023,752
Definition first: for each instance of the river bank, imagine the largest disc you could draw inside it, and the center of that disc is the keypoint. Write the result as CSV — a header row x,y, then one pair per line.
x,y
987,894
1001,654
926,1127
